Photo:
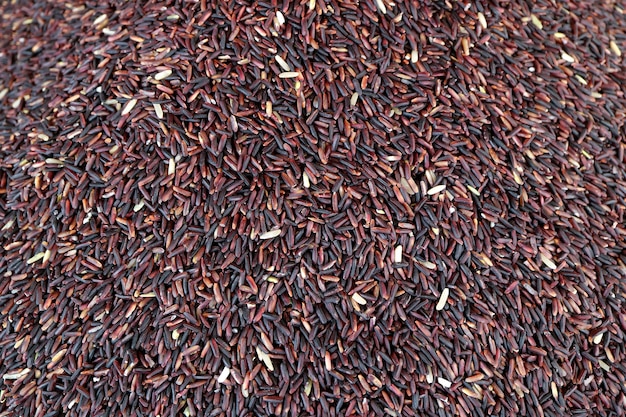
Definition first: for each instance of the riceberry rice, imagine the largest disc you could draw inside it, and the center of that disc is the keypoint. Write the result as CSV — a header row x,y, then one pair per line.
x,y
312,208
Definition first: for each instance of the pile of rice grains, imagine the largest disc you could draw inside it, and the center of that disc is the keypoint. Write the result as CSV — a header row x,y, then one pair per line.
x,y
312,208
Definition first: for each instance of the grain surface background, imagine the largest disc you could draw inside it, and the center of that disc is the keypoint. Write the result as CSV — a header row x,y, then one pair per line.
x,y
312,208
